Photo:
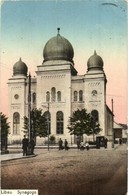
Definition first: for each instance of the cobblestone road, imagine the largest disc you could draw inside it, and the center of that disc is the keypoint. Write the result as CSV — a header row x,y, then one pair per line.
x,y
73,172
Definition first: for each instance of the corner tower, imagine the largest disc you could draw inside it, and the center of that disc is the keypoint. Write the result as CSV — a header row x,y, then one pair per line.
x,y
95,90
17,100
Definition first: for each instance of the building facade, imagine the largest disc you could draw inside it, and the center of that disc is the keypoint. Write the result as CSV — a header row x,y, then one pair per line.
x,y
58,86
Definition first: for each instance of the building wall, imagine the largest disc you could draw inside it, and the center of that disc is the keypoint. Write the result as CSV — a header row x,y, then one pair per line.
x,y
17,104
60,79
59,75
95,95
109,125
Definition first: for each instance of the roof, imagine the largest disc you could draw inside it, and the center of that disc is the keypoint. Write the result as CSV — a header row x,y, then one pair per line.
x,y
117,126
108,109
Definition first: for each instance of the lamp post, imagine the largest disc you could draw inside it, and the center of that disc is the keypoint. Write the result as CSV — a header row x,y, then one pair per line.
x,y
48,125
29,106
48,119
112,126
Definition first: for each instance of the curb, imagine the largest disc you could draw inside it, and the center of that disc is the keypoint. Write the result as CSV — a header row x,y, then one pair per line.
x,y
22,157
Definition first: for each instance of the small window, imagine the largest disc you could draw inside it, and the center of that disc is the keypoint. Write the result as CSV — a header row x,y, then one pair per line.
x,y
80,95
75,96
34,98
47,96
94,92
53,94
58,96
16,123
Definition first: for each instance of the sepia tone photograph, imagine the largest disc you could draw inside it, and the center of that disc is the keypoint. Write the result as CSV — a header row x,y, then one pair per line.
x,y
63,103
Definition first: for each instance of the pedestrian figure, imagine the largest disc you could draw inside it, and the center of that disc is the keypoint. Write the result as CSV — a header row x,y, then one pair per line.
x,y
120,141
32,146
87,146
78,143
82,145
66,145
105,142
25,145
60,144
98,143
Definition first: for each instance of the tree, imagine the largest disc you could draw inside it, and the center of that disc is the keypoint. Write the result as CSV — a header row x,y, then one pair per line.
x,y
83,123
52,139
38,123
94,127
4,125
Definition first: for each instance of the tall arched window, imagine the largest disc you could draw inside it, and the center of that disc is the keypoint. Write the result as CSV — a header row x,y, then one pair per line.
x,y
80,95
95,115
47,96
16,123
47,115
53,94
75,96
59,122
58,96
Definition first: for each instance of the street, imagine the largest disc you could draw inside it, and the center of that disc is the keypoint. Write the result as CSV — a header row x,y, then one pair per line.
x,y
73,172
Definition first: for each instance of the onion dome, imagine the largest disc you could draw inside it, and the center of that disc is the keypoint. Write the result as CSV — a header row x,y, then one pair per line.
x,y
95,62
58,48
20,68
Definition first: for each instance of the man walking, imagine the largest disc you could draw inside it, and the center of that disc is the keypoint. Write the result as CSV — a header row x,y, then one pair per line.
x,y
60,144
66,145
25,145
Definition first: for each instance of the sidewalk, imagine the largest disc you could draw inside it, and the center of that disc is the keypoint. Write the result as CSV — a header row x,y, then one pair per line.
x,y
6,157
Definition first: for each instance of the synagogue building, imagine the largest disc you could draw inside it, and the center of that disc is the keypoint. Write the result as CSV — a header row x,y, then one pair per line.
x,y
58,85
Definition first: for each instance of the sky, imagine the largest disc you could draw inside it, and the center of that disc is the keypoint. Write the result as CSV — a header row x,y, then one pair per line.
x,y
89,25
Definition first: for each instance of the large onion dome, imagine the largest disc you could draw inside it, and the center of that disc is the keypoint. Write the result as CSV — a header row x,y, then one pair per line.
x,y
58,48
20,68
95,62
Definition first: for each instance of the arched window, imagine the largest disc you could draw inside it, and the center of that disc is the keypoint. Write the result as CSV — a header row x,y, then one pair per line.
x,y
53,94
34,98
16,123
47,96
59,122
80,95
58,96
75,96
95,115
47,115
